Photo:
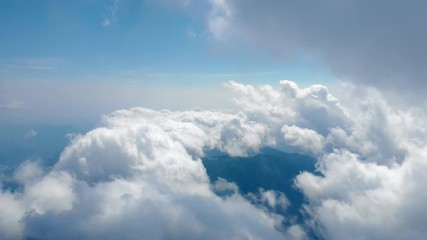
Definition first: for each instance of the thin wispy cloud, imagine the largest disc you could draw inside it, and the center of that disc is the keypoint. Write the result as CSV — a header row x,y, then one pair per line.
x,y
30,134
37,64
111,13
12,105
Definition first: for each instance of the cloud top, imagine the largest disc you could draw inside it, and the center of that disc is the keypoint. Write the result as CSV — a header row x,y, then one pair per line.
x,y
140,173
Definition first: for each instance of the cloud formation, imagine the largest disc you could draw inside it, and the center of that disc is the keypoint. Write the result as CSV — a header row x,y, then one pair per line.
x,y
378,43
139,173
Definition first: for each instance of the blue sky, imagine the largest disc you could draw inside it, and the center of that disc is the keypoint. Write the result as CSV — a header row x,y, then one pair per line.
x,y
124,40
143,41
74,55
93,57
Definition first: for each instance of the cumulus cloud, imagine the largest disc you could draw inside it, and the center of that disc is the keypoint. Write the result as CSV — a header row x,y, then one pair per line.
x,y
222,186
11,212
369,182
312,107
359,200
305,139
378,43
371,158
140,172
270,198
27,172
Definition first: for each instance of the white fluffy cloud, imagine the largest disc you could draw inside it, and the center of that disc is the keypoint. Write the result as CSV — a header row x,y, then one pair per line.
x,y
304,139
139,173
372,157
11,212
270,198
359,200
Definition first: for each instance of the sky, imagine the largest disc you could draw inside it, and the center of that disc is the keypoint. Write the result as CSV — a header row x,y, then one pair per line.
x,y
164,84
111,54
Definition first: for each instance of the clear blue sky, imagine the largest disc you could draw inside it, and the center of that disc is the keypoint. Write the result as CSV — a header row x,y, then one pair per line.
x,y
110,44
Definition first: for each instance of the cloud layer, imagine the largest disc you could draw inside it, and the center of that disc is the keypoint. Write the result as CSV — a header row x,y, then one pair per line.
x,y
139,173
378,43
